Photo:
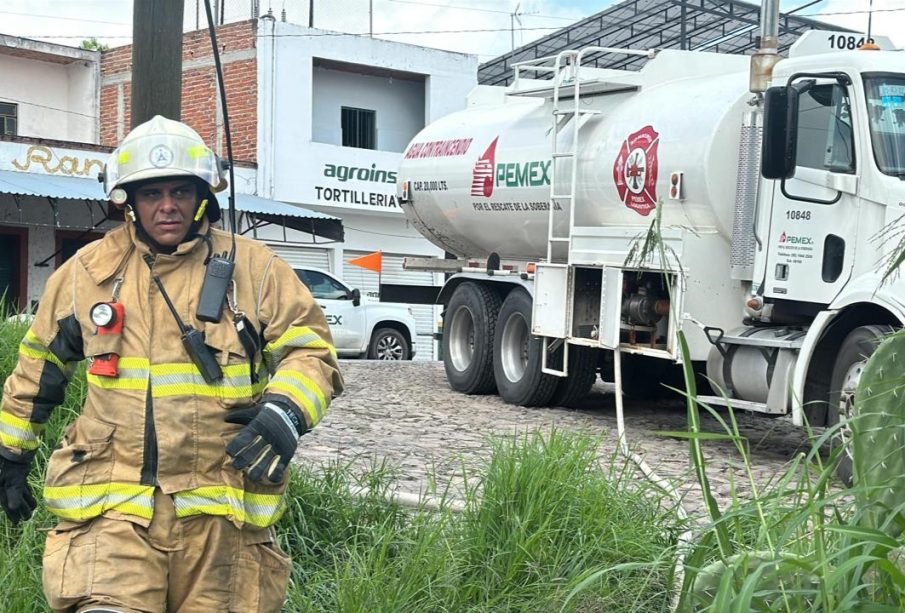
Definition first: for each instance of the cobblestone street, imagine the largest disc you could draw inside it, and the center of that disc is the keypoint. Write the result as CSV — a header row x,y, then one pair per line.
x,y
406,413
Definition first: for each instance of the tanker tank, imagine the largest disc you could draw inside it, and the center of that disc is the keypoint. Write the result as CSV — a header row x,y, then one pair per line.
x,y
479,179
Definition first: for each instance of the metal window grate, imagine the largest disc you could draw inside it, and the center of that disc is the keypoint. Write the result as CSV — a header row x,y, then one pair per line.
x,y
9,114
359,128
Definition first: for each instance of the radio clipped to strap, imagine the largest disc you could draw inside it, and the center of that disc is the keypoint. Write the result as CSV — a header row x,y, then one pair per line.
x,y
248,335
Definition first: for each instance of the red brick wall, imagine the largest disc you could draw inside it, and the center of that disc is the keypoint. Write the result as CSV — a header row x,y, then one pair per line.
x,y
199,90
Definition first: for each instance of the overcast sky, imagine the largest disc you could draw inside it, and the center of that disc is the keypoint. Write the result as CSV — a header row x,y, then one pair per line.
x,y
482,27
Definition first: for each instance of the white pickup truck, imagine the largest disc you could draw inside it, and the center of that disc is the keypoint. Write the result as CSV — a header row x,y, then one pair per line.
x,y
361,328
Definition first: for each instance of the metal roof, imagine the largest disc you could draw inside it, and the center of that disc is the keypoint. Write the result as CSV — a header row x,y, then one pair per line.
x,y
723,26
270,211
289,215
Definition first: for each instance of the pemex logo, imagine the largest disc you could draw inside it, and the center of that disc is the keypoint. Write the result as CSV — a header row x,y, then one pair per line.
x,y
482,174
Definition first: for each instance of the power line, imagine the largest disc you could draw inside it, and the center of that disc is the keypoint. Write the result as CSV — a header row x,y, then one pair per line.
x,y
113,23
326,34
861,12
459,7
44,106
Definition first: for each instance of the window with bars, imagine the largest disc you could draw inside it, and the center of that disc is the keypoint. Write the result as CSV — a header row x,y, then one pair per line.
x,y
9,113
359,128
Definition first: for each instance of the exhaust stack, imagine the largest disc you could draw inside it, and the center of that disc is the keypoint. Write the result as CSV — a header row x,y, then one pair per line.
x,y
766,57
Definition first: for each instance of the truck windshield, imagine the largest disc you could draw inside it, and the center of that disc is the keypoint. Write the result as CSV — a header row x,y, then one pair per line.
x,y
886,110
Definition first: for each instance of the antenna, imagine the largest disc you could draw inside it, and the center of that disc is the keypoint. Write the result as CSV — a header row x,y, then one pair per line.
x,y
870,14
513,17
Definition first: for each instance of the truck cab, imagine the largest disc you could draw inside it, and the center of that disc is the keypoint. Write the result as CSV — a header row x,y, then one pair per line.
x,y
361,328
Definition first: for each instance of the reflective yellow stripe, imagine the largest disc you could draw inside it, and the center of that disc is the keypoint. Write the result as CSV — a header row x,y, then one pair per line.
x,y
303,391
18,433
184,379
302,337
82,502
198,151
33,348
261,510
133,375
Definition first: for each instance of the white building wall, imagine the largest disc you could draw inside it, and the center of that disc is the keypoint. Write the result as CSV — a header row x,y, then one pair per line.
x,y
398,105
55,100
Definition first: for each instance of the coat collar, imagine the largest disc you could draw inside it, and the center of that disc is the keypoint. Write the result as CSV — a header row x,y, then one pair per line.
x,y
104,258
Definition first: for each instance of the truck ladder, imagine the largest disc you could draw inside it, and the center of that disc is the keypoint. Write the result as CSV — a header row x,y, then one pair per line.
x,y
567,74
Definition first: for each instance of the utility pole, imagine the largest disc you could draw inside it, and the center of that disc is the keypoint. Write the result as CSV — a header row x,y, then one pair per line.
x,y
156,59
310,13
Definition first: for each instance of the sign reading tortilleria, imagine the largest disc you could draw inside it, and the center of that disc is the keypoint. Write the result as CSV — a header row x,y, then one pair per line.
x,y
635,170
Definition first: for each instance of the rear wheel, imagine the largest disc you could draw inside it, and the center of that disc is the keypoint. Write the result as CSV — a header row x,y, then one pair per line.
x,y
517,355
469,324
388,344
582,375
857,347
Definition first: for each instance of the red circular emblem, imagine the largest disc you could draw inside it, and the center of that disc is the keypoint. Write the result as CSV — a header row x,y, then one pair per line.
x,y
635,170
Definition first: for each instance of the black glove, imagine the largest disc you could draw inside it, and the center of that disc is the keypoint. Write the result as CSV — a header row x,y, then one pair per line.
x,y
269,440
15,496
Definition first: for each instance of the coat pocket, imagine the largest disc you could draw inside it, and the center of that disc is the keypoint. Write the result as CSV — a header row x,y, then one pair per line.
x,y
260,576
86,458
68,567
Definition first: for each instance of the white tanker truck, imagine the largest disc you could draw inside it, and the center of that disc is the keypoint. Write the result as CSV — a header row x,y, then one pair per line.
x,y
772,209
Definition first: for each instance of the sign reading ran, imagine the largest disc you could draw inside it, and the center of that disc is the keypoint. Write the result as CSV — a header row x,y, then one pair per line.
x,y
52,163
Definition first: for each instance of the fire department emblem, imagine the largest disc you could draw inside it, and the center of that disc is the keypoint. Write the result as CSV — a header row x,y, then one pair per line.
x,y
635,171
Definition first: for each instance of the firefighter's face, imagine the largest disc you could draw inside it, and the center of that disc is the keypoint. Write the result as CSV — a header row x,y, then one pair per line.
x,y
165,209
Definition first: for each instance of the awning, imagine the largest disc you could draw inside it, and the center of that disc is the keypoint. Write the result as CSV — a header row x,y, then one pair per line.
x,y
50,186
262,209
289,215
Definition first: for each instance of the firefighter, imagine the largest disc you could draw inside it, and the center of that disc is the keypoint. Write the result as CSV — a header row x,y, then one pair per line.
x,y
168,484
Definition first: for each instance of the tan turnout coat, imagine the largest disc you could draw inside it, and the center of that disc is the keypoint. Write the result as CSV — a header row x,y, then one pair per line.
x,y
158,424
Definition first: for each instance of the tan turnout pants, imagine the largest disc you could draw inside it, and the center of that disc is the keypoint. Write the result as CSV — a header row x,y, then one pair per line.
x,y
200,564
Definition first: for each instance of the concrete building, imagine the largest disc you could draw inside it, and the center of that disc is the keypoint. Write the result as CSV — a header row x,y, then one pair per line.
x,y
50,200
323,117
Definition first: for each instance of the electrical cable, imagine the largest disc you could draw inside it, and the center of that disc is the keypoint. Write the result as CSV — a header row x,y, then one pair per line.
x,y
229,141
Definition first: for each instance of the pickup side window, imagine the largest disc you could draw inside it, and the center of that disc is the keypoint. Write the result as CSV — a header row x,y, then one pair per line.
x,y
825,135
323,287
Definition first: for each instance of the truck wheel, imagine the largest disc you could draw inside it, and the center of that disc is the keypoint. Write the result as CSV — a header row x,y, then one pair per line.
x,y
857,347
388,344
517,355
468,327
582,375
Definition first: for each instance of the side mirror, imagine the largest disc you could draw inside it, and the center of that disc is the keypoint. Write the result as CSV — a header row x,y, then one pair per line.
x,y
356,297
780,143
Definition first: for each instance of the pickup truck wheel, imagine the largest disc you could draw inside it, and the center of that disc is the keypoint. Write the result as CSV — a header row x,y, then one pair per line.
x,y
469,323
517,355
857,347
582,375
388,344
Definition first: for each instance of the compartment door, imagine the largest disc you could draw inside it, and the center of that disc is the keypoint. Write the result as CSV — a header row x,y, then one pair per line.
x,y
552,309
610,308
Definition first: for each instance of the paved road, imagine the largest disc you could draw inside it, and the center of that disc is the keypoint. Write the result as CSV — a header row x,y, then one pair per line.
x,y
406,413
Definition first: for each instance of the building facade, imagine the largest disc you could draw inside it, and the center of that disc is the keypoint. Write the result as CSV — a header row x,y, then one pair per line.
x,y
323,117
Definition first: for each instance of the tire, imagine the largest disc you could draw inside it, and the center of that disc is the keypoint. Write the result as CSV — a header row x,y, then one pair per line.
x,y
857,347
582,375
389,344
517,355
469,323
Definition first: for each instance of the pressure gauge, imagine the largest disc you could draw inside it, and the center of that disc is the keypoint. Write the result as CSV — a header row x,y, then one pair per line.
x,y
103,314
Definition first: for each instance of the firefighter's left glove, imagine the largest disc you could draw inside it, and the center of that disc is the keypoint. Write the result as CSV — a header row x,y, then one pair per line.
x,y
265,446
15,496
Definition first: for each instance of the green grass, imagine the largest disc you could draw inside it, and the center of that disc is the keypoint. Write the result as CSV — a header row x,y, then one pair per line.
x,y
547,526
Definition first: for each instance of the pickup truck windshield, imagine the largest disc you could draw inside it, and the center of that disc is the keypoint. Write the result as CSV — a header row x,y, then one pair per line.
x,y
886,112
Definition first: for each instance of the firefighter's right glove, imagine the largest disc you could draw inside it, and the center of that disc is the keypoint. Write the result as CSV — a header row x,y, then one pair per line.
x,y
265,446
15,496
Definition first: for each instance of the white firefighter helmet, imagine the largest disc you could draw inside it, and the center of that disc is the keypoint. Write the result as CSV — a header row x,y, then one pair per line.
x,y
160,148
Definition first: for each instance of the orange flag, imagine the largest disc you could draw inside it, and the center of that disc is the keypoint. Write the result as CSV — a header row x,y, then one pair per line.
x,y
372,261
